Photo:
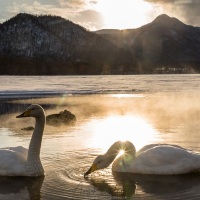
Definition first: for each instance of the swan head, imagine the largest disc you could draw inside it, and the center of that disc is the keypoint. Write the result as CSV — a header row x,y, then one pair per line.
x,y
103,161
100,162
34,110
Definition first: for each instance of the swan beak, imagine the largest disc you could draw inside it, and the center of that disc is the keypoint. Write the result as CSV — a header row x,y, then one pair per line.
x,y
92,169
25,114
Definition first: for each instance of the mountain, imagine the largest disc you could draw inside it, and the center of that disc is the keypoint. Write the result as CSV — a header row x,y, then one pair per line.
x,y
166,45
47,45
52,45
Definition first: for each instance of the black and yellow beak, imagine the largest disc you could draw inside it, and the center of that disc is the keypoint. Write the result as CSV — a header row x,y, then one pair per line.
x,y
25,114
92,169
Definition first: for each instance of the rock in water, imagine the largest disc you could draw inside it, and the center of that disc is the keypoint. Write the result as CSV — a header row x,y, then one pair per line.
x,y
63,118
29,128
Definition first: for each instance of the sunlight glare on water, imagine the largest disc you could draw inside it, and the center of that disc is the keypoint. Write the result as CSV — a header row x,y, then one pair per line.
x,y
129,127
127,95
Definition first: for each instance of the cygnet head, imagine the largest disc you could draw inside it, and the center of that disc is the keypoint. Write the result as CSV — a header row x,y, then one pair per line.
x,y
34,110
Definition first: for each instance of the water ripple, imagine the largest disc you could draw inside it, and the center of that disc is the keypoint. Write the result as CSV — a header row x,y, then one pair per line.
x,y
65,180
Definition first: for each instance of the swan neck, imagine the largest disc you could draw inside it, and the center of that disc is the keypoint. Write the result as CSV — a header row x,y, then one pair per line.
x,y
114,150
36,140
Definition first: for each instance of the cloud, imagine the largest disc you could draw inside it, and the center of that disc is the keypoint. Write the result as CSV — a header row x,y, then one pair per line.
x,y
83,12
185,10
72,4
77,11
90,19
77,5
33,8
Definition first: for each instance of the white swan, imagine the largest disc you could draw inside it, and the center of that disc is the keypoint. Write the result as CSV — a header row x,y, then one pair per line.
x,y
19,161
160,159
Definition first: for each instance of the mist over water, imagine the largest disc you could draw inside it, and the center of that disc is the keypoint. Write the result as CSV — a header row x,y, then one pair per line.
x,y
142,109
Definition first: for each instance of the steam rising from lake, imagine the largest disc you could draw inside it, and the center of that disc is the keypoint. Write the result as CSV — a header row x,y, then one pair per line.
x,y
162,112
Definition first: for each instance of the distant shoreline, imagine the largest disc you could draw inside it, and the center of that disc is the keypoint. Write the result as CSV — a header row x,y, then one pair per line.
x,y
7,98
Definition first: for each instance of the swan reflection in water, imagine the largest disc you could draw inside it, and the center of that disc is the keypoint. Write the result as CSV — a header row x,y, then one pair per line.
x,y
20,186
129,184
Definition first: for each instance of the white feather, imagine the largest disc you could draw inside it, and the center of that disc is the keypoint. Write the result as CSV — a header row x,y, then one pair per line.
x,y
160,159
19,161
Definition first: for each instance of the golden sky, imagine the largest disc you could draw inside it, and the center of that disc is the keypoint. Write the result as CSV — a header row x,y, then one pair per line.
x,y
99,14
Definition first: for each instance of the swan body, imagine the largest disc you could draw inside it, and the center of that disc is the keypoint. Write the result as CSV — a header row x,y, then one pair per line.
x,y
158,159
19,161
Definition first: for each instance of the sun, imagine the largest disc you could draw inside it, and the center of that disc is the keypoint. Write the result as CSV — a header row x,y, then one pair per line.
x,y
113,128
124,14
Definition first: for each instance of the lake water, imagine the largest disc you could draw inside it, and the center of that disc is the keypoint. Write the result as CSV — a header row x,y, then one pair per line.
x,y
143,109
